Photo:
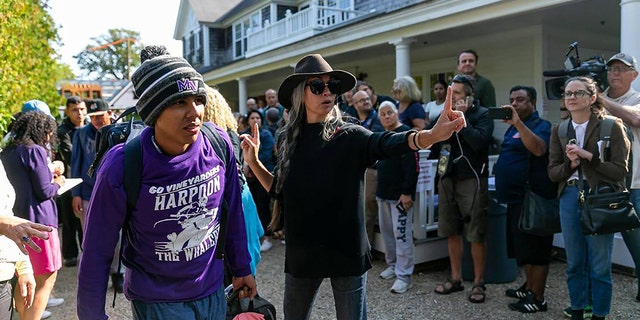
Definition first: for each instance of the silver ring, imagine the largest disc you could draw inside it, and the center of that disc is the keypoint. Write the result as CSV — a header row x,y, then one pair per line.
x,y
26,239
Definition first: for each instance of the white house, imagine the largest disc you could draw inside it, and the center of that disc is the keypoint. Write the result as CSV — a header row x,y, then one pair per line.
x,y
247,46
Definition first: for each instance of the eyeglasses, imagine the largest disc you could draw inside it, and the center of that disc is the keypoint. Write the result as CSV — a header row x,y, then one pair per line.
x,y
578,94
619,69
363,100
317,86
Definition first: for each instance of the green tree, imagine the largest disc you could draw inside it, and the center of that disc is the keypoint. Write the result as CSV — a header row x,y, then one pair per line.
x,y
29,67
111,56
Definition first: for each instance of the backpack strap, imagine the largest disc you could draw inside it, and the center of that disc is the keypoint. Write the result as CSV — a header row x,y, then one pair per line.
x,y
131,185
222,149
563,128
605,128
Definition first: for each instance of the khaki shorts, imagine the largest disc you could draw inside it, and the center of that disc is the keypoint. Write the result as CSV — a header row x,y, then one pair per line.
x,y
463,207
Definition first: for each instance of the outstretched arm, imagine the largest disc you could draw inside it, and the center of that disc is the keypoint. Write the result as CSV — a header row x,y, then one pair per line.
x,y
20,231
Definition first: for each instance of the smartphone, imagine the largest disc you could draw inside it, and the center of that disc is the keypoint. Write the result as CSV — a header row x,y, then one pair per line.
x,y
500,113
400,208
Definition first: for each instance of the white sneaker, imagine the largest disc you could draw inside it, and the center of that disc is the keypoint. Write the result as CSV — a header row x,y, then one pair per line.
x,y
266,245
399,286
54,302
45,314
388,273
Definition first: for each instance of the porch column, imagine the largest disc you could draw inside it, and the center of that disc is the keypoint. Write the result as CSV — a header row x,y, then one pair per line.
x,y
629,26
242,95
403,58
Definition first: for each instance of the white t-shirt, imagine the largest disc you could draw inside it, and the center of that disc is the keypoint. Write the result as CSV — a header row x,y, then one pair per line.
x,y
433,109
632,98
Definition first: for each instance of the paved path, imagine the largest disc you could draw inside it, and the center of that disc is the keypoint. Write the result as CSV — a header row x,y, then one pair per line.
x,y
418,303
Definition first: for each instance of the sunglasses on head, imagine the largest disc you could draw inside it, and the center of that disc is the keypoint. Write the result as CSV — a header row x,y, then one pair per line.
x,y
317,86
461,79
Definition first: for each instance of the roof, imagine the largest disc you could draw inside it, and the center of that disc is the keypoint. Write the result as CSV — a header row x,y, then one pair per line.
x,y
206,12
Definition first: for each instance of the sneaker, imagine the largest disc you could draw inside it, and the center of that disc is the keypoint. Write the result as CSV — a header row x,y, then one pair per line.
x,y
519,293
529,304
54,302
45,314
266,245
71,262
588,311
400,286
388,273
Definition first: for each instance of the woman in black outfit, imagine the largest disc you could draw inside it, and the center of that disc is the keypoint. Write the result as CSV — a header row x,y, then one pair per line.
x,y
318,183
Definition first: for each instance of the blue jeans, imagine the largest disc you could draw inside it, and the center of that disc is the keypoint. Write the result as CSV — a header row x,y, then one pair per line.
x,y
212,307
632,237
588,258
349,295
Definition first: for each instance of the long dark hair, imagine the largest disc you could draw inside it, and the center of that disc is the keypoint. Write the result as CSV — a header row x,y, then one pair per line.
x,y
289,135
33,127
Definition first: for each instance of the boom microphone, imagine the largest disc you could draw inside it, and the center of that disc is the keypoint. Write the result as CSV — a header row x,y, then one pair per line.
x,y
554,73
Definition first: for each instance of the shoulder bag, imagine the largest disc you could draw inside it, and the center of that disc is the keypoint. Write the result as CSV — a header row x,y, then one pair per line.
x,y
605,209
540,210
540,216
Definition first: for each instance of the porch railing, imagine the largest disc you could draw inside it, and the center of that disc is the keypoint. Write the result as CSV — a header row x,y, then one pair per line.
x,y
304,23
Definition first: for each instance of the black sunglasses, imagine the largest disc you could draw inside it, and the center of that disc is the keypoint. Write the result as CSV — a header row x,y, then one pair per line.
x,y
317,86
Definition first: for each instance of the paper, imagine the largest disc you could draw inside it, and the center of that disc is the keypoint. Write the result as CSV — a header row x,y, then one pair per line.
x,y
69,183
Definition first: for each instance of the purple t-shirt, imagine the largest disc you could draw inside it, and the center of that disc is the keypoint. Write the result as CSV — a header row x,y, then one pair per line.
x,y
169,251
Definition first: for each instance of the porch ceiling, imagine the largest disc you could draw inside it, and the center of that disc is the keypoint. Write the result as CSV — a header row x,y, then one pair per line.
x,y
579,18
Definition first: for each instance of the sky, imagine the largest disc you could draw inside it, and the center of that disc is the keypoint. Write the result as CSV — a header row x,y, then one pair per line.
x,y
80,20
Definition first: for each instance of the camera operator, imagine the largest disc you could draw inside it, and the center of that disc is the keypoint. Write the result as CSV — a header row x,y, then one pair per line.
x,y
624,102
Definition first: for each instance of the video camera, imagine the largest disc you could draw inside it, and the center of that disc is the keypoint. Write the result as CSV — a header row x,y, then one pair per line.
x,y
594,68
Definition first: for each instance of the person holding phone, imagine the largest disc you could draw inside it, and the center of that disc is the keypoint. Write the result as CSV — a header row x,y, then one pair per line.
x,y
397,178
463,191
524,149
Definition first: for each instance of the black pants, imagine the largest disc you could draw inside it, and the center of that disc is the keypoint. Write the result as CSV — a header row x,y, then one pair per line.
x,y
263,203
71,227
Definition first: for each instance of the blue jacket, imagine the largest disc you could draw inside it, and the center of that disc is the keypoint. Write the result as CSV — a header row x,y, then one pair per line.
x,y
82,155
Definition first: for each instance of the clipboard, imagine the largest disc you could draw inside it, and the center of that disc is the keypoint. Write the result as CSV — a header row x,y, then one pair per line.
x,y
69,183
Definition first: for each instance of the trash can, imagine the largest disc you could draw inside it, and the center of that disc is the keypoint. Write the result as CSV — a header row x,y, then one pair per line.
x,y
498,267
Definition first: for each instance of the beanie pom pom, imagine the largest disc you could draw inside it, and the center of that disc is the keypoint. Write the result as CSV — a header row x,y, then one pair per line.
x,y
151,52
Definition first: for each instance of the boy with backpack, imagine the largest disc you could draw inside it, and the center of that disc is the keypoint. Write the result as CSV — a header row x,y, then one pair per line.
x,y
186,198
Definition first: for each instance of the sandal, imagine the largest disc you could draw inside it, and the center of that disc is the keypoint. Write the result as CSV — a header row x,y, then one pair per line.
x,y
449,286
478,290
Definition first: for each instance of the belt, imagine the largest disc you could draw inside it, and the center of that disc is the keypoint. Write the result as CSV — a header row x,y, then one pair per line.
x,y
572,182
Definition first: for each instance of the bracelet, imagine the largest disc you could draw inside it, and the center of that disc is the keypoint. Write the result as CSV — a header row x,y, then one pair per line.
x,y
415,141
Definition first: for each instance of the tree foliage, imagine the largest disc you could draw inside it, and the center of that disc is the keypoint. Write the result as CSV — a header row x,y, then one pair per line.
x,y
106,57
29,67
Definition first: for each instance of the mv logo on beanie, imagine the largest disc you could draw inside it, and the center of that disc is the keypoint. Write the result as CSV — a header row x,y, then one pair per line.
x,y
186,84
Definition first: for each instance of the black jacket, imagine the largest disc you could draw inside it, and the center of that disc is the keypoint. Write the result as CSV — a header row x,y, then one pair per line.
x,y
475,140
65,143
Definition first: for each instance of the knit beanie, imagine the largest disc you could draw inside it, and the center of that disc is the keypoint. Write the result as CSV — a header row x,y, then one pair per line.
x,y
162,79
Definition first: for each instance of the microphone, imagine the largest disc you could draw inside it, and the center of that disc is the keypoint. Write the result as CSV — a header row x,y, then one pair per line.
x,y
554,73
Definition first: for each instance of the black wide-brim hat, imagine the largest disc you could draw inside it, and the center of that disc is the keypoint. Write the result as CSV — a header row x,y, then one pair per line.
x,y
308,66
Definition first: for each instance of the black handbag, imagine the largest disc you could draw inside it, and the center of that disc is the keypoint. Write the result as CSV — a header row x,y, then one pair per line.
x,y
540,210
540,216
237,306
605,209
